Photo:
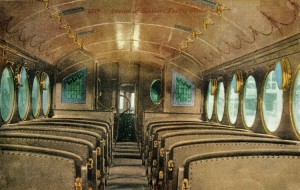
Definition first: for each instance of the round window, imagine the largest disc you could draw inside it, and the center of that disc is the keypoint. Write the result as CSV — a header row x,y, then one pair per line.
x,y
46,94
296,102
155,91
249,102
272,103
23,95
36,97
233,101
7,93
209,101
220,101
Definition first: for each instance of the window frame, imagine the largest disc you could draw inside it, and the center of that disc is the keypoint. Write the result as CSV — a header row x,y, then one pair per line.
x,y
267,130
14,95
64,91
28,95
216,102
39,102
243,103
158,101
296,131
174,82
209,93
231,85
46,113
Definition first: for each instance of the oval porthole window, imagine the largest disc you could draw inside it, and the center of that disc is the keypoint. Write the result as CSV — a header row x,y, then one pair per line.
x,y
46,94
296,103
7,93
249,102
36,97
233,101
155,91
272,103
220,101
23,94
209,101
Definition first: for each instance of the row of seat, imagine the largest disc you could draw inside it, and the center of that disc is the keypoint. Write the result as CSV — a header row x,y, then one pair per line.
x,y
56,153
181,153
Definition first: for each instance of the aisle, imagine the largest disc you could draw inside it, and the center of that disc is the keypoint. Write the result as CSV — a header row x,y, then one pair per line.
x,y
127,172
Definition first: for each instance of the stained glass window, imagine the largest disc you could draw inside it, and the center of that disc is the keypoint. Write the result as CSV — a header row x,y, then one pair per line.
x,y
46,95
7,93
23,95
74,87
36,97
183,91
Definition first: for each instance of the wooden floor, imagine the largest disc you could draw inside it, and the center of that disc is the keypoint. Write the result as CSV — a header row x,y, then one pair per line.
x,y
127,171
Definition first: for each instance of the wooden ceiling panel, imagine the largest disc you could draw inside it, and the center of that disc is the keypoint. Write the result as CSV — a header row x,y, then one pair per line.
x,y
148,29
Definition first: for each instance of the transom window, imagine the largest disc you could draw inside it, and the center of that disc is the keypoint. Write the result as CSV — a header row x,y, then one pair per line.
x,y
74,88
36,97
249,102
7,93
296,103
46,94
183,90
272,103
220,101
209,101
23,95
233,101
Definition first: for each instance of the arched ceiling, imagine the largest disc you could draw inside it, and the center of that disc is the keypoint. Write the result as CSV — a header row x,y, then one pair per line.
x,y
206,32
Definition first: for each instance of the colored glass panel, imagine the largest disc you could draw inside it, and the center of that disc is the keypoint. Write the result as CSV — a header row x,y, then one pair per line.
x,y
74,87
183,91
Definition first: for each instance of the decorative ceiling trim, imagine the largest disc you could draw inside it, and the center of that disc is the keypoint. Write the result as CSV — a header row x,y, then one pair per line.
x,y
43,10
194,60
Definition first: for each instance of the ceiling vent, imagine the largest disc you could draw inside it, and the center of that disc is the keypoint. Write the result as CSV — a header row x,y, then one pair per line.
x,y
73,11
86,32
184,28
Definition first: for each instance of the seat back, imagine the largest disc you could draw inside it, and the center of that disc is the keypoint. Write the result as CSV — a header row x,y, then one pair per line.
x,y
61,133
28,168
168,139
79,147
255,169
92,137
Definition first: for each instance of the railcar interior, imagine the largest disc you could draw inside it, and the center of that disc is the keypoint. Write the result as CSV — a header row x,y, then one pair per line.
x,y
149,94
